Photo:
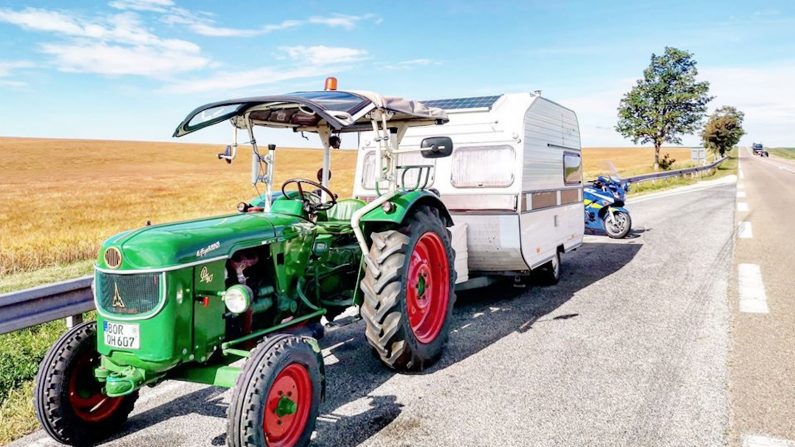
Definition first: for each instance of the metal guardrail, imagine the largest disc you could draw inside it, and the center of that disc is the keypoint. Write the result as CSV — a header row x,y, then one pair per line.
x,y
676,173
26,308
69,299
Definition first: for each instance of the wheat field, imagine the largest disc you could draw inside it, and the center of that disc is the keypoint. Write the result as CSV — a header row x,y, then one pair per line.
x,y
629,161
60,198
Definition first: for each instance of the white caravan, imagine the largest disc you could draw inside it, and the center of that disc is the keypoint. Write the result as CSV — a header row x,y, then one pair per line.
x,y
513,183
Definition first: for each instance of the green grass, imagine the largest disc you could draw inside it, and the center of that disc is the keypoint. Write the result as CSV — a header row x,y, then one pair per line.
x,y
47,275
23,350
728,167
783,152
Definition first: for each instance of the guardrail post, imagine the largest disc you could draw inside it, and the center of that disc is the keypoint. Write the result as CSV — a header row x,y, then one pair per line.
x,y
74,320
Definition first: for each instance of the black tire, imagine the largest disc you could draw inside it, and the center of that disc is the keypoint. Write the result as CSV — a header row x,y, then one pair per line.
x,y
64,366
385,308
268,362
620,231
549,273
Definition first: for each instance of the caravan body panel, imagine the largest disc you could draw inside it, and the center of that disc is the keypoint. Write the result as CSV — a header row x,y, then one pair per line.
x,y
514,179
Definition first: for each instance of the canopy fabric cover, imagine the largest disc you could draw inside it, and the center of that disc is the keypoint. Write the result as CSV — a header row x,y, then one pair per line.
x,y
304,111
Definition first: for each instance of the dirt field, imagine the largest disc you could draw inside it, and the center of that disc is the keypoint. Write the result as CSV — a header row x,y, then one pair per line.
x,y
60,198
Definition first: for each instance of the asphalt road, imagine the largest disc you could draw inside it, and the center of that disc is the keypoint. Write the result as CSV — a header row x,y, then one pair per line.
x,y
762,360
630,349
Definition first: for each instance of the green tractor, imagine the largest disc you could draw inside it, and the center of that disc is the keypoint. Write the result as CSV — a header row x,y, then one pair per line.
x,y
236,301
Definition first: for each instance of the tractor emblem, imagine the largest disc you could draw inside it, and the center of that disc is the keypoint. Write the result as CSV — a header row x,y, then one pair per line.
x,y
205,275
117,301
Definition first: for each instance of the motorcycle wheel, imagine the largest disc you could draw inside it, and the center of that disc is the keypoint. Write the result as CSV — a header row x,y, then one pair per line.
x,y
617,225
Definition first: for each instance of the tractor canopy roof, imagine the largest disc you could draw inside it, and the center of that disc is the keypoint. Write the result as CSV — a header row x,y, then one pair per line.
x,y
342,111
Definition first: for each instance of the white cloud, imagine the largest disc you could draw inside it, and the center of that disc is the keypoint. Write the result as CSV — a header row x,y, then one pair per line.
x,y
118,44
204,24
764,93
143,5
6,67
283,25
321,54
597,113
6,70
108,59
245,79
411,63
340,20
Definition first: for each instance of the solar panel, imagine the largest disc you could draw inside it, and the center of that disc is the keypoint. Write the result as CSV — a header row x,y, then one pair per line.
x,y
463,103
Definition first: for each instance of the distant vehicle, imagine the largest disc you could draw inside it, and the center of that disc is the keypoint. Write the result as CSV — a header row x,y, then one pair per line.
x,y
759,150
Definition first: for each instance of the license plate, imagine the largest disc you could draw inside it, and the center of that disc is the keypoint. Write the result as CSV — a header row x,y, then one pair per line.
x,y
121,335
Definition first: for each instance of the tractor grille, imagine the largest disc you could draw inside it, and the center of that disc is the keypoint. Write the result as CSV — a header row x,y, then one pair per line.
x,y
128,294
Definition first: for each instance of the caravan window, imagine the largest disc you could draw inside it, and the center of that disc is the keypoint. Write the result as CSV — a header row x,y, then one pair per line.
x,y
483,167
572,174
412,177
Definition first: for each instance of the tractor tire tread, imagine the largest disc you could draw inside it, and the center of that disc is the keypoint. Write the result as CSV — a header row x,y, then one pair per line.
x,y
383,292
243,420
58,424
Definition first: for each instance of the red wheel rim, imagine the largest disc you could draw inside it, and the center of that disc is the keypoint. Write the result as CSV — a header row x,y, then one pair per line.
x,y
287,407
86,398
428,288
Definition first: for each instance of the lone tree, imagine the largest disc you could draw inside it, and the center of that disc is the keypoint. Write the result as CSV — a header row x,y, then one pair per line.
x,y
723,130
666,103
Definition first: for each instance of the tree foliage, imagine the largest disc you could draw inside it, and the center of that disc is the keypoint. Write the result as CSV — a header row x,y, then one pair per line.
x,y
723,130
666,103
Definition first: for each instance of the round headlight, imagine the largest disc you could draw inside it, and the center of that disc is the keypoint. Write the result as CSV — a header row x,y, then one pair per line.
x,y
238,298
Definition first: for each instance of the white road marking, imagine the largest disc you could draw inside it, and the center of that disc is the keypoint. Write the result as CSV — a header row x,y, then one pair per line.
x,y
740,187
740,173
742,207
745,231
740,194
751,289
764,441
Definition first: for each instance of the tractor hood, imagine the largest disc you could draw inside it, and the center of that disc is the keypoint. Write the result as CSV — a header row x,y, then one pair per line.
x,y
170,246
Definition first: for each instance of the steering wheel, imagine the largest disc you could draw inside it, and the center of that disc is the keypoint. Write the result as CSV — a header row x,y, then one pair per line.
x,y
312,201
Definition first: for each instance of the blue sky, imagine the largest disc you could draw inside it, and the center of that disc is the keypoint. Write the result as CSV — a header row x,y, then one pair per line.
x,y
132,69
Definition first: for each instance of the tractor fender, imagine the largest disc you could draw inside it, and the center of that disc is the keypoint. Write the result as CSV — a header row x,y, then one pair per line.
x,y
404,204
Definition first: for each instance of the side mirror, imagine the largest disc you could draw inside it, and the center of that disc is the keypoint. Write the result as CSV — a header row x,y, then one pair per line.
x,y
438,147
228,154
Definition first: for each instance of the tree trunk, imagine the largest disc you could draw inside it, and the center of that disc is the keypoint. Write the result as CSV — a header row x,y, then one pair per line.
x,y
656,156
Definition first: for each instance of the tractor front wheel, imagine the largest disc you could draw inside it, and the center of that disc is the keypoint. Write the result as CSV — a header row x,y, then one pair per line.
x,y
409,291
277,396
68,399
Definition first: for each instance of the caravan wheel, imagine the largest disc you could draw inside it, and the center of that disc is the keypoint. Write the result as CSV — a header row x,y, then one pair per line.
x,y
409,292
550,272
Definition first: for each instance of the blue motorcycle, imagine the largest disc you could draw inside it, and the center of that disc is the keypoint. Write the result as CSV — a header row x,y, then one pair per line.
x,y
604,206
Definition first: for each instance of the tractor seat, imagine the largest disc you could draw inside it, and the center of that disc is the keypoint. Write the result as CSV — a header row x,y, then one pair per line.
x,y
343,210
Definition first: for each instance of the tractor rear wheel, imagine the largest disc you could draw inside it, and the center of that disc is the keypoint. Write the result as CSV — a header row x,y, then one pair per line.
x,y
277,395
409,291
68,399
